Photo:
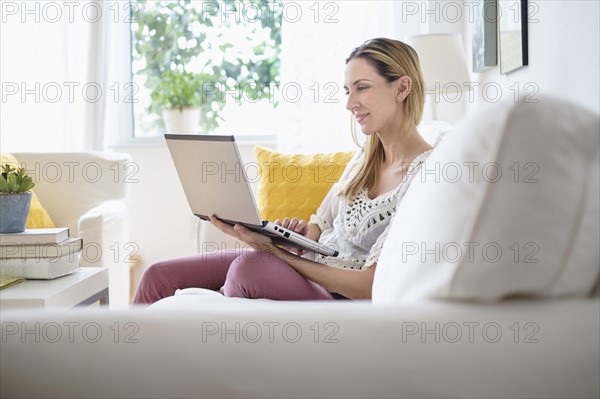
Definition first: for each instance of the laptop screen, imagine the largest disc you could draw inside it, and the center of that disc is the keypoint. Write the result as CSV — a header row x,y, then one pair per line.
x,y
213,177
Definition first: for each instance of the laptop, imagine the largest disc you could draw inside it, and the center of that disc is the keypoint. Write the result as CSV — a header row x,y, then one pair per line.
x,y
215,181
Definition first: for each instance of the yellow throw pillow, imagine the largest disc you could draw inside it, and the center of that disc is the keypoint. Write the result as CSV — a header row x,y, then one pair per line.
x,y
38,217
294,185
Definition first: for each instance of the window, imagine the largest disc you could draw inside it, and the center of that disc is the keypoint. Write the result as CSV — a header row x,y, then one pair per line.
x,y
232,48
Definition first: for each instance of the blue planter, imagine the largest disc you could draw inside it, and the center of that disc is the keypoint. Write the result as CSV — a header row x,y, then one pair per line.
x,y
14,209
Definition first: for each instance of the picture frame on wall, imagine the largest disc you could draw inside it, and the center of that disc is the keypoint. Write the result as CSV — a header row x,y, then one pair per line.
x,y
485,36
513,35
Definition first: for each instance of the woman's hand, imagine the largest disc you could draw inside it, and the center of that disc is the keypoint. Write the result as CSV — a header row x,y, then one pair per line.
x,y
299,226
255,240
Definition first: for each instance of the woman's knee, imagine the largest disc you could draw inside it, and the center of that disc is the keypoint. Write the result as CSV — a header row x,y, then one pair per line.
x,y
157,277
152,284
248,272
156,273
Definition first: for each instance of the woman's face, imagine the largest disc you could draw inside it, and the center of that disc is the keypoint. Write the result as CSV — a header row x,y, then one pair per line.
x,y
372,100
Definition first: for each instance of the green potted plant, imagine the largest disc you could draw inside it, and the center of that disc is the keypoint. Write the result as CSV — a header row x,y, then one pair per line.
x,y
184,99
15,199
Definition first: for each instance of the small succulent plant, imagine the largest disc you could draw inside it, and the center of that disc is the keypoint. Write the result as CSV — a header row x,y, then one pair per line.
x,y
14,180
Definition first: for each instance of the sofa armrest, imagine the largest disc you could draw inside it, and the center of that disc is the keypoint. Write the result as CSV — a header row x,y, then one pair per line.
x,y
101,228
104,230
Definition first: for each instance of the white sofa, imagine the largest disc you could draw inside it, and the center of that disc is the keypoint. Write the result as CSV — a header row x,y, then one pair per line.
x,y
197,348
87,192
538,343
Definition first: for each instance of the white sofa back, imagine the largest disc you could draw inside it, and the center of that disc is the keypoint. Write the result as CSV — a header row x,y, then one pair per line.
x,y
506,205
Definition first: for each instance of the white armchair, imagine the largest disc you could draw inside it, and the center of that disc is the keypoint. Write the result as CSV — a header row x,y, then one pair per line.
x,y
87,192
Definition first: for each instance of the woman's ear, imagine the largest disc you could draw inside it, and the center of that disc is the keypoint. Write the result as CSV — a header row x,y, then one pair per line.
x,y
404,86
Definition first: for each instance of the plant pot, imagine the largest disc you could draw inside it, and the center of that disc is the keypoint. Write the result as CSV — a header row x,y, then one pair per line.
x,y
185,121
14,209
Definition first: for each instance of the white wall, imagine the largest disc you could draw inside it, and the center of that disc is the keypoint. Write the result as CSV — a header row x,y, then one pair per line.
x,y
564,38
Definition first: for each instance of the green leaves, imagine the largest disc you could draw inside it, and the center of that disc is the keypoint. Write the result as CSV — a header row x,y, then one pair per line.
x,y
14,180
232,51
178,89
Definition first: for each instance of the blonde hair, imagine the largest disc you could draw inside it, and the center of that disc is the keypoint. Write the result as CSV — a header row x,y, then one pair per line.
x,y
392,59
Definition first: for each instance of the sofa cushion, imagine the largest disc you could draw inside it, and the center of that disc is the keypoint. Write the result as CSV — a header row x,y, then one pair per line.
x,y
433,131
294,185
506,205
38,217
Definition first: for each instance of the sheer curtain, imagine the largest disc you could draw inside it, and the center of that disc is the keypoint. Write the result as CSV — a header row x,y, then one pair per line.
x,y
56,63
317,37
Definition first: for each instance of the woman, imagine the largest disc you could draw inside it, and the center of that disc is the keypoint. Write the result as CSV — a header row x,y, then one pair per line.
x,y
384,85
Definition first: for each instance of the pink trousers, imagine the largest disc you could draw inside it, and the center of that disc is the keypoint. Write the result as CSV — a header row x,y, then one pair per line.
x,y
241,273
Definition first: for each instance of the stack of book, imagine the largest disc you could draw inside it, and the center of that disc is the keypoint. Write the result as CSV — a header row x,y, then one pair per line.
x,y
39,253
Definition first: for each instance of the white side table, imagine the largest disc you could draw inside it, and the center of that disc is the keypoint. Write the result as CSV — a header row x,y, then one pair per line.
x,y
82,288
